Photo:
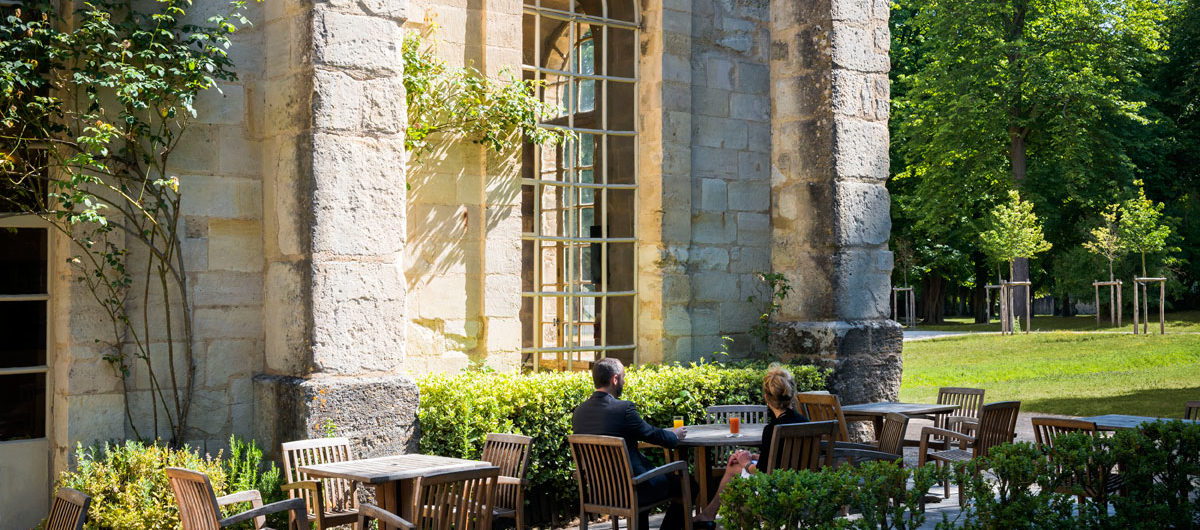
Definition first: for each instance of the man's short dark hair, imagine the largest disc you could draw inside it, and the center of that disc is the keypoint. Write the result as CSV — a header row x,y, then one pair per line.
x,y
604,370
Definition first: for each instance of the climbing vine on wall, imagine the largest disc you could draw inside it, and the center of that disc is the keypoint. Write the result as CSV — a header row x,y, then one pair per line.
x,y
463,103
91,111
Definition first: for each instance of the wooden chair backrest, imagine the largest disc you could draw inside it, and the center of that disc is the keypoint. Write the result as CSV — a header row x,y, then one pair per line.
x,y
510,453
891,437
821,406
969,401
718,414
458,500
997,425
1191,411
1046,429
797,446
338,493
69,510
603,471
196,499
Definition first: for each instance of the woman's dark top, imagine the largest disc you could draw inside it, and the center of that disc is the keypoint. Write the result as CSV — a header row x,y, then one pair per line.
x,y
788,416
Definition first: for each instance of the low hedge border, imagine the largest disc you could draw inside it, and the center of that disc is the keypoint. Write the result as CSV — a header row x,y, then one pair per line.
x,y
458,410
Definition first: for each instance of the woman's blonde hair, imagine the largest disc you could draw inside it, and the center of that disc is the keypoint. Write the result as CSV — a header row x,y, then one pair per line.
x,y
779,389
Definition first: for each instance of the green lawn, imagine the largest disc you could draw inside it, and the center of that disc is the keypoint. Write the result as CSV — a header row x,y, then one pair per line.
x,y
1062,373
1182,321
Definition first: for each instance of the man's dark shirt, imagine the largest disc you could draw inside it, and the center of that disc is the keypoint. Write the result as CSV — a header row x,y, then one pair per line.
x,y
606,415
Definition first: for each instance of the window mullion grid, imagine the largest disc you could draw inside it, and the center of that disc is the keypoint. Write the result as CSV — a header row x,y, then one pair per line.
x,y
539,329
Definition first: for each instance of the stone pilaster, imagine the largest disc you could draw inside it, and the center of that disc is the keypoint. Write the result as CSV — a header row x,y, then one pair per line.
x,y
830,216
335,230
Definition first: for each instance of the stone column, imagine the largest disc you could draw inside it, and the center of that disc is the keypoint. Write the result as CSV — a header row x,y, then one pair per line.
x,y
830,216
335,228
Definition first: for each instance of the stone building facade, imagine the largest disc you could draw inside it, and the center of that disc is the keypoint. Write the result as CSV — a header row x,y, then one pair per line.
x,y
715,140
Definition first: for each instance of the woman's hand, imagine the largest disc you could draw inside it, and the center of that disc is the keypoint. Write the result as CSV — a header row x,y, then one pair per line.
x,y
743,458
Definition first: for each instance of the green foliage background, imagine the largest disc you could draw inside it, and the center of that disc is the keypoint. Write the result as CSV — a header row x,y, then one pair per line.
x,y
457,411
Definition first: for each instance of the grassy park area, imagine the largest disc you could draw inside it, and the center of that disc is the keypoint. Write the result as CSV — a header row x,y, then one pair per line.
x,y
1182,321
1079,374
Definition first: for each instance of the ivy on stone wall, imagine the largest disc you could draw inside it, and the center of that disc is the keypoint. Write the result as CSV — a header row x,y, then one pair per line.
x,y
452,103
91,108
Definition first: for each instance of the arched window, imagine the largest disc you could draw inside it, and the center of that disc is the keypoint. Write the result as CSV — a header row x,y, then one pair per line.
x,y
578,199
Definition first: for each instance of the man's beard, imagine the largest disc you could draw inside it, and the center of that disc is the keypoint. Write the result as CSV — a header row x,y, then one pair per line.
x,y
618,389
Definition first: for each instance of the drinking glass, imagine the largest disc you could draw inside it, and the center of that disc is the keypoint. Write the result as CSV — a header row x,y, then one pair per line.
x,y
735,424
678,421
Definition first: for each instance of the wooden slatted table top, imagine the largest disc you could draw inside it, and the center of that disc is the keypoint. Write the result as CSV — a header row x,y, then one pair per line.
x,y
1123,421
390,468
717,434
885,407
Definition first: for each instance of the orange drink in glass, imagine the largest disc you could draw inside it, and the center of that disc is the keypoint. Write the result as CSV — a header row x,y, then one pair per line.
x,y
678,421
735,424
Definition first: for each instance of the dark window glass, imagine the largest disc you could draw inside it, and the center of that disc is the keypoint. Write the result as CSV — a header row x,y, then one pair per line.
x,y
23,327
23,260
23,415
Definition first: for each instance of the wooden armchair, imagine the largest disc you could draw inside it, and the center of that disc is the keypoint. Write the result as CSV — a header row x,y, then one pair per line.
x,y
329,502
1191,411
888,447
823,406
510,453
69,510
997,424
458,500
1045,430
970,406
200,508
607,485
800,446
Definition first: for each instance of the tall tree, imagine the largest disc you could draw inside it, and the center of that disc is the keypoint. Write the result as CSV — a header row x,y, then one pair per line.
x,y
1025,94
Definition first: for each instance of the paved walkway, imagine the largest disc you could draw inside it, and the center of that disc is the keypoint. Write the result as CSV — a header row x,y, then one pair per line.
x,y
916,334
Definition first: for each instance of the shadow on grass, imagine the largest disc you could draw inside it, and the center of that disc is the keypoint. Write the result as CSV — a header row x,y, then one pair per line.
x,y
1156,402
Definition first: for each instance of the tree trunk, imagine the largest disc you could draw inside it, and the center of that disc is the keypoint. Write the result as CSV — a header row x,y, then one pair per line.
x,y
934,299
979,294
1020,273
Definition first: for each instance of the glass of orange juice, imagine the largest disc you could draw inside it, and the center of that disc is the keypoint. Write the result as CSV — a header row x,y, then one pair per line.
x,y
678,421
735,424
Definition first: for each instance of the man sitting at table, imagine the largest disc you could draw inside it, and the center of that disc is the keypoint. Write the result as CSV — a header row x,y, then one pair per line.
x,y
606,414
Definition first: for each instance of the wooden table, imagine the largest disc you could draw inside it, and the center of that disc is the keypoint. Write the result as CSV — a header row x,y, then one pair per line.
x,y
702,437
876,411
1114,422
392,476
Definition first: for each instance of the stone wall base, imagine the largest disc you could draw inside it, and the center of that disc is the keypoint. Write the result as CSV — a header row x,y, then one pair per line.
x,y
377,413
864,355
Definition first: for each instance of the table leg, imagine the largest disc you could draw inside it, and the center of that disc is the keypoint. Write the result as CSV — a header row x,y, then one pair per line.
x,y
702,471
395,497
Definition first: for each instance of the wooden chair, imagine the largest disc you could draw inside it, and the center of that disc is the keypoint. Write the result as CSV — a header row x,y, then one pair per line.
x,y
330,502
718,414
799,446
1045,430
890,439
997,425
458,500
822,406
1191,411
200,508
509,452
607,485
966,418
69,510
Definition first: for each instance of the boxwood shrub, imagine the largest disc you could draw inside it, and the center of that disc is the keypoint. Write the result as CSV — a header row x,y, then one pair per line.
x,y
458,410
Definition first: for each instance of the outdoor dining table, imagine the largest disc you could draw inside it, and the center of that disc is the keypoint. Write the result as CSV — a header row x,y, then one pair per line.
x,y
876,411
702,437
392,476
1115,422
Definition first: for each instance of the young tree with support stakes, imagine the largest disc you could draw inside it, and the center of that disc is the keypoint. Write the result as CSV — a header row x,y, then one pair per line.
x,y
1013,232
1107,242
1141,226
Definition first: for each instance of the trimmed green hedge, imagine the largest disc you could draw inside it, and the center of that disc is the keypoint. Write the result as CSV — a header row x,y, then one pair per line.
x,y
457,411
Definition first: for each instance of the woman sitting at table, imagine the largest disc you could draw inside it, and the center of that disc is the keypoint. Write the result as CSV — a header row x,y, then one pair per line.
x,y
779,393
